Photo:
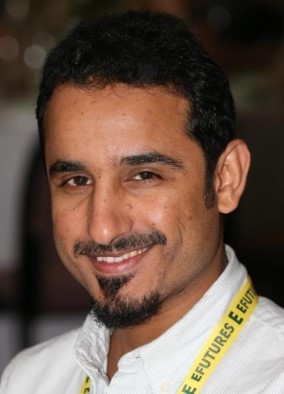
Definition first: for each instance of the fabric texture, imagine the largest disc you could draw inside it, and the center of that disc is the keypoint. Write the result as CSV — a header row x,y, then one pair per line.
x,y
253,365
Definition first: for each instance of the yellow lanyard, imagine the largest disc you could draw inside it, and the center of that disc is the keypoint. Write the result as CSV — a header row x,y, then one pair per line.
x,y
219,342
86,386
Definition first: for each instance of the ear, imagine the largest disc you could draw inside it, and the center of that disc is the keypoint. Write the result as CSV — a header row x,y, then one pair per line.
x,y
231,174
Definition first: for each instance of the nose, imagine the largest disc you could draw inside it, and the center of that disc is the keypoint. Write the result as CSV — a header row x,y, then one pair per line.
x,y
109,215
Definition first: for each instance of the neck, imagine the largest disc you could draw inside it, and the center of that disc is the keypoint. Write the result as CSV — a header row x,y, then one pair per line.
x,y
124,340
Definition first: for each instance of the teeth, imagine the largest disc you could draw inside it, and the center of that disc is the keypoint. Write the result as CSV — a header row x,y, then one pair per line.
x,y
126,256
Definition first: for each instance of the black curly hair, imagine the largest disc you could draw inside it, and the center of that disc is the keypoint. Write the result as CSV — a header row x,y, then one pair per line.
x,y
146,49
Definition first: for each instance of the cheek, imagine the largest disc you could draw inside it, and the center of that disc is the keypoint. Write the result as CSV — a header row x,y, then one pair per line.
x,y
61,225
186,223
65,238
159,209
67,219
171,213
65,228
62,241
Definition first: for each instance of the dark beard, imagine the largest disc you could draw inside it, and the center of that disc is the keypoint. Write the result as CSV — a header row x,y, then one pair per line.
x,y
113,310
119,312
111,286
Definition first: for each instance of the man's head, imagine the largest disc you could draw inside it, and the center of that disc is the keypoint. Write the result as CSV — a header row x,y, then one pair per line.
x,y
137,125
147,50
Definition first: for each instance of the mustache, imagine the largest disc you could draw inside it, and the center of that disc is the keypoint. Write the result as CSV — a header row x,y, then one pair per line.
x,y
130,242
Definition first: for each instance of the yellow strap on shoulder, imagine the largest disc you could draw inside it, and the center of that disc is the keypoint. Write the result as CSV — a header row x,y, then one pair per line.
x,y
221,339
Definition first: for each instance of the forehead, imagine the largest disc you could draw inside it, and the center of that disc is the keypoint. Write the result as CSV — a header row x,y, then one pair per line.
x,y
117,101
116,118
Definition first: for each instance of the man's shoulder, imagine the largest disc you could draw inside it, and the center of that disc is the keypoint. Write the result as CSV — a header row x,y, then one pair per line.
x,y
268,321
270,315
60,346
44,359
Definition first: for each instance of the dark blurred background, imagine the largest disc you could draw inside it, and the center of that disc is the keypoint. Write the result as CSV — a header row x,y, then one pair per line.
x,y
38,298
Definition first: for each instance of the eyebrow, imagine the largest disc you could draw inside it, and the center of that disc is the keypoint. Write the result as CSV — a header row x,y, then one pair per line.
x,y
61,166
150,158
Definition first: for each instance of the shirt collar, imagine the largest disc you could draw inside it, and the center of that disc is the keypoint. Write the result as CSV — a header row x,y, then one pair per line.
x,y
179,345
91,348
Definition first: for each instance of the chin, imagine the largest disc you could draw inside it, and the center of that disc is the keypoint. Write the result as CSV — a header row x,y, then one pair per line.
x,y
121,312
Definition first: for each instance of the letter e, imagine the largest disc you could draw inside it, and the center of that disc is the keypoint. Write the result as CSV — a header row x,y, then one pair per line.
x,y
236,318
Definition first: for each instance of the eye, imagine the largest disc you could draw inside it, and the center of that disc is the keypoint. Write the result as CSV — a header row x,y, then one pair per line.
x,y
145,176
78,181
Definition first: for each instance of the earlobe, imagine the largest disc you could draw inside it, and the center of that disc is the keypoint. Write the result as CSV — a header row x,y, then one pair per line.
x,y
231,174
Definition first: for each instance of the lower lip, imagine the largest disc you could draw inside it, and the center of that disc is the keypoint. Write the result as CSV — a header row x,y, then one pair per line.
x,y
117,268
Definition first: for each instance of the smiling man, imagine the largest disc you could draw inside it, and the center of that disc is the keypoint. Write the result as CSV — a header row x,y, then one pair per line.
x,y
137,124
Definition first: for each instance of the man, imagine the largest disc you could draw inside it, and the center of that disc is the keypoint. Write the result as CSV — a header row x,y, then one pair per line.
x,y
136,123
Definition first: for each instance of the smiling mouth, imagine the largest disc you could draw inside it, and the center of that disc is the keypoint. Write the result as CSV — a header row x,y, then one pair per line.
x,y
119,259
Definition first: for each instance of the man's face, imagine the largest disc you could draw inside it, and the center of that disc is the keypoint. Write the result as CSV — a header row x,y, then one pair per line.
x,y
127,187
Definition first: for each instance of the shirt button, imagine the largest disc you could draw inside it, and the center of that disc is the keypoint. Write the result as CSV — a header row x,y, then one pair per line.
x,y
165,387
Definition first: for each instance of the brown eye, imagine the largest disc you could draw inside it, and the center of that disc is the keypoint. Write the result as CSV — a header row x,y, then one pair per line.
x,y
144,176
79,180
